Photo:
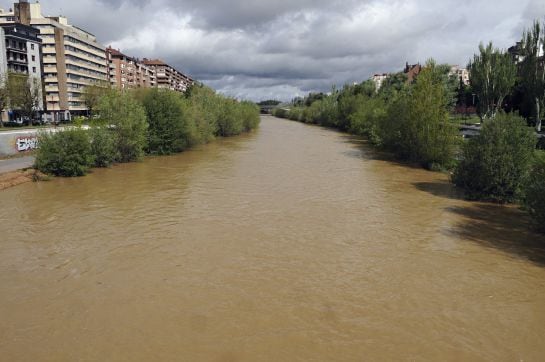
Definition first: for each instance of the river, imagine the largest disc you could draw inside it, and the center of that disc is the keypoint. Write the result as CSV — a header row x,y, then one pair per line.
x,y
292,243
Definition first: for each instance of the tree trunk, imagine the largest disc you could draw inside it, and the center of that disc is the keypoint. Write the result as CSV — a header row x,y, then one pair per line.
x,y
538,116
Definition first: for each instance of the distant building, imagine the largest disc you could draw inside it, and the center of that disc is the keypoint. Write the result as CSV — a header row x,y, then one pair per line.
x,y
129,73
379,79
21,53
516,52
412,71
168,77
72,59
461,73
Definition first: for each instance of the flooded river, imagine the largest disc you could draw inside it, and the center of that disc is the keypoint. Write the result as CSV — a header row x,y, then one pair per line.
x,y
292,243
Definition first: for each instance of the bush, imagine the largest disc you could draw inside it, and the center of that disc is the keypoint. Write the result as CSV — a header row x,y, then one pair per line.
x,y
67,153
367,118
280,113
425,134
103,146
229,120
203,109
249,113
534,191
169,129
129,125
495,164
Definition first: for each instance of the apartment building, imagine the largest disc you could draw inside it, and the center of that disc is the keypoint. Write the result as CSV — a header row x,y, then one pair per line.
x,y
21,52
461,73
72,59
379,79
129,73
168,77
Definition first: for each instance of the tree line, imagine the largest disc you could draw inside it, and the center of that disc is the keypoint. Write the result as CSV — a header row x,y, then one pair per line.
x,y
126,126
413,120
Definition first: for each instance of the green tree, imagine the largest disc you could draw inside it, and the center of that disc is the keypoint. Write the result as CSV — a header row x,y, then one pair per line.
x,y
66,153
534,191
495,164
92,95
169,128
4,96
493,75
424,134
24,94
533,69
103,146
127,118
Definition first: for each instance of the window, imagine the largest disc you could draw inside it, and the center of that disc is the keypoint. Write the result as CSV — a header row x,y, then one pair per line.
x,y
33,57
32,47
33,69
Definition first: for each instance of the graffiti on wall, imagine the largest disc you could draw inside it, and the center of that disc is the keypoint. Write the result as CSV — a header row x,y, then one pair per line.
x,y
24,144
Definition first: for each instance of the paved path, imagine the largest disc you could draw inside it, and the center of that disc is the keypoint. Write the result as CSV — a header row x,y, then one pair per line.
x,y
14,164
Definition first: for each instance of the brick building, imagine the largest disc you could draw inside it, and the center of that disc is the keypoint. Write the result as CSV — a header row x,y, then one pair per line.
x,y
129,73
168,77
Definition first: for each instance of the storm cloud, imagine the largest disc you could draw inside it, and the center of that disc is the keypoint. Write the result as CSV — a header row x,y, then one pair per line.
x,y
284,48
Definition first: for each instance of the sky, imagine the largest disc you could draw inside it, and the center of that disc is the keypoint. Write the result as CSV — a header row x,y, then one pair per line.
x,y
264,49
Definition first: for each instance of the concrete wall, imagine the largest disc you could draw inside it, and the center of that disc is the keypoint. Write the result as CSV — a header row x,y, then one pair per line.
x,y
13,143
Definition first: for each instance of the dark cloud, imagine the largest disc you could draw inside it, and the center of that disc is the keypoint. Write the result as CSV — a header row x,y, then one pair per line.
x,y
263,49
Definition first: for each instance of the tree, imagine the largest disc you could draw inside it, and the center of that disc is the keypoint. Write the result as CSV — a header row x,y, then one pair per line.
x,y
24,94
169,128
493,74
127,118
495,164
4,96
67,153
533,68
92,94
426,136
534,191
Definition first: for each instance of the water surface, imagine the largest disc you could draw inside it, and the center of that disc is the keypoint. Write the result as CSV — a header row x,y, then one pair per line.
x,y
292,243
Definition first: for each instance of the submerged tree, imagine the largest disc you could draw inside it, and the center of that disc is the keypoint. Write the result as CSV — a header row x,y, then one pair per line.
x,y
493,74
533,69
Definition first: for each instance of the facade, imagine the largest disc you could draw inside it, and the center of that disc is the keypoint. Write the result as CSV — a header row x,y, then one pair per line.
x,y
412,71
379,79
72,60
129,73
168,77
461,73
21,53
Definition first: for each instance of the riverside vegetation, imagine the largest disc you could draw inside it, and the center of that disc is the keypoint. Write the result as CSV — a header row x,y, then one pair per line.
x,y
412,120
129,125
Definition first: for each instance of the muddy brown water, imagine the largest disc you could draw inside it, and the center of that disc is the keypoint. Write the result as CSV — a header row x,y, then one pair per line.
x,y
292,243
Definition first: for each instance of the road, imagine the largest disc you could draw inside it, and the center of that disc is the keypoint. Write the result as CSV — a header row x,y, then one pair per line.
x,y
14,164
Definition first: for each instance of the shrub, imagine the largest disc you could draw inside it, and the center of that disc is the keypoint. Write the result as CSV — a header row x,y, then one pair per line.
x,y
67,153
202,107
169,128
425,134
229,120
534,191
103,146
367,118
127,118
280,113
495,164
249,113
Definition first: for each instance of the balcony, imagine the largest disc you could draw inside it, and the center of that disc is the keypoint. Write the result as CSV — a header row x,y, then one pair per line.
x,y
16,49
